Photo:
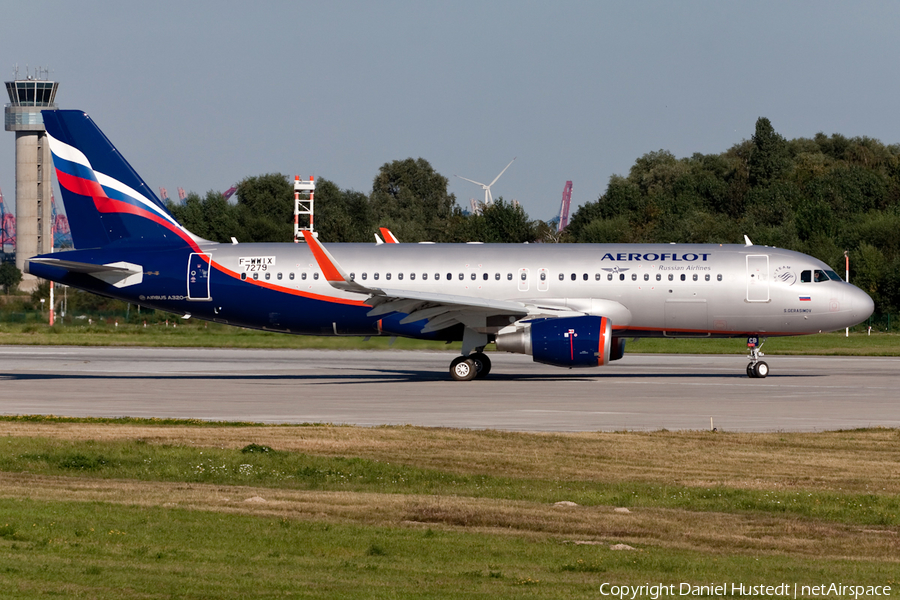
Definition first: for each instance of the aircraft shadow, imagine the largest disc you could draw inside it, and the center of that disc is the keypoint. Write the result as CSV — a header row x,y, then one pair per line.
x,y
387,376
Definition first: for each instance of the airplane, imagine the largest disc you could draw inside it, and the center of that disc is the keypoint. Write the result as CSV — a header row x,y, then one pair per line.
x,y
568,305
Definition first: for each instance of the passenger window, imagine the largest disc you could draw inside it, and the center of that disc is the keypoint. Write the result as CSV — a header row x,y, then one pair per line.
x,y
584,276
719,277
659,276
682,277
352,276
621,276
806,277
646,276
375,276
573,276
707,276
461,276
695,277
634,276
268,276
562,277
387,276
543,277
364,276
509,276
484,277
255,276
671,277
399,276
437,276
523,276
497,276
316,276
597,276
279,276
449,276
424,276
291,276
609,277
473,276
412,276
243,277
303,276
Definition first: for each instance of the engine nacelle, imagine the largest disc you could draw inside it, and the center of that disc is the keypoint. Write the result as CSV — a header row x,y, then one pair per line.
x,y
568,342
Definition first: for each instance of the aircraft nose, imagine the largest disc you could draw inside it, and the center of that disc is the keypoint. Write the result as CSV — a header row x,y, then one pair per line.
x,y
861,304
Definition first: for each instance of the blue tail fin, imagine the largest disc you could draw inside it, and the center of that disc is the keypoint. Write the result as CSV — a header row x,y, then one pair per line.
x,y
106,200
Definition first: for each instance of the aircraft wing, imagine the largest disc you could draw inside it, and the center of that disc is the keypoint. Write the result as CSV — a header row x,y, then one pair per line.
x,y
440,310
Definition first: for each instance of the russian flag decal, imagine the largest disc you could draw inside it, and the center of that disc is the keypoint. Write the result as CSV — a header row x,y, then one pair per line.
x,y
805,299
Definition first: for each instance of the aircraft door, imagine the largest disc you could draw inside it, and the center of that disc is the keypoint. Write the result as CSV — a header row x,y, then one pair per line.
x,y
757,278
523,280
198,276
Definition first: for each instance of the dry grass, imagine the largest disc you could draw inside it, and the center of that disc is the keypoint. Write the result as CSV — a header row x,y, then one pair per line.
x,y
849,461
664,528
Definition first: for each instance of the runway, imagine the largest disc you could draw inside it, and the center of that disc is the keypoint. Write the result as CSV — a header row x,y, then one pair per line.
x,y
640,392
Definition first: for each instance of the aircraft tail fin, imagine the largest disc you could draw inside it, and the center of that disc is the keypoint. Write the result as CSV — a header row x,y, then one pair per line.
x,y
106,200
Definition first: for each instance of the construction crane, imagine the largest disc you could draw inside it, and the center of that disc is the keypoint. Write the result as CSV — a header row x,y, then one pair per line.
x,y
7,227
62,235
564,206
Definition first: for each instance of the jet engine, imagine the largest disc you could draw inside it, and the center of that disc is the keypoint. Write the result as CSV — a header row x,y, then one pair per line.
x,y
584,341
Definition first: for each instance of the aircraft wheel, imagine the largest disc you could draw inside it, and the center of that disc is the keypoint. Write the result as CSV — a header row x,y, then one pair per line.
x,y
761,369
482,364
463,369
750,372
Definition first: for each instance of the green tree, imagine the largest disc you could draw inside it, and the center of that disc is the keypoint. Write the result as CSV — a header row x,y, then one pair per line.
x,y
769,158
410,197
342,215
500,223
10,276
265,208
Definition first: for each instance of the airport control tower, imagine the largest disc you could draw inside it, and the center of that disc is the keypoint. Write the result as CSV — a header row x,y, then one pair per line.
x,y
34,165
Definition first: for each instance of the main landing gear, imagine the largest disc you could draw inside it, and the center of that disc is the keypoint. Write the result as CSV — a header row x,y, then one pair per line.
x,y
756,369
474,366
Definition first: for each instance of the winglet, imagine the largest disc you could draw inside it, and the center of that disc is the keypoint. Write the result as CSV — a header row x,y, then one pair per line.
x,y
389,237
747,242
334,274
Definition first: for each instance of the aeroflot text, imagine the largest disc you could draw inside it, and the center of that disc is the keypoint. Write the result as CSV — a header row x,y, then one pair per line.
x,y
787,590
653,256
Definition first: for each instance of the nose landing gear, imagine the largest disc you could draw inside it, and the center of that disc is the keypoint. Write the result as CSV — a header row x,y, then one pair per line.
x,y
756,369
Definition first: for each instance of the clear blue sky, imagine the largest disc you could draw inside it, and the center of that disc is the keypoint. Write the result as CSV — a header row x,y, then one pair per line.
x,y
202,94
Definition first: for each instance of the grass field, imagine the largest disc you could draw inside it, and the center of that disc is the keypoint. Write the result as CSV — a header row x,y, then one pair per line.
x,y
201,334
152,509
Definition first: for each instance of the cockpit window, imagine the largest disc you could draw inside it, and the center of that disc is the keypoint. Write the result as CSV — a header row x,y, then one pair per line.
x,y
818,275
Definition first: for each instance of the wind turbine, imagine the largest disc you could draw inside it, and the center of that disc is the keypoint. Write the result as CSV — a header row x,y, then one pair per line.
x,y
488,199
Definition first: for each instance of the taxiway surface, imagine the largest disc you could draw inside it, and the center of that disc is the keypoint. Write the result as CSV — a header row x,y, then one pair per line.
x,y
640,392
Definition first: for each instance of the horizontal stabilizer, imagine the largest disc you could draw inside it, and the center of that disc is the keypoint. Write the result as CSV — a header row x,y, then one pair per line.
x,y
118,274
